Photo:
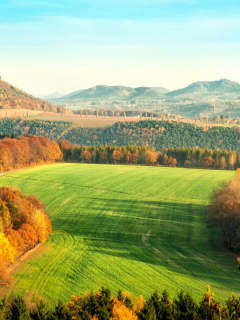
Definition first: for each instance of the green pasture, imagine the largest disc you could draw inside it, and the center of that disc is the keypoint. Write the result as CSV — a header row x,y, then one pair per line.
x,y
136,228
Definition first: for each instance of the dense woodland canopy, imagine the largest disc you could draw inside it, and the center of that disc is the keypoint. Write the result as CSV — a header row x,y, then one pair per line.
x,y
26,151
23,224
100,305
157,134
20,126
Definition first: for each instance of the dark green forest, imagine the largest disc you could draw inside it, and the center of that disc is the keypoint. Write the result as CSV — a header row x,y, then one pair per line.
x,y
151,133
102,306
20,126
157,134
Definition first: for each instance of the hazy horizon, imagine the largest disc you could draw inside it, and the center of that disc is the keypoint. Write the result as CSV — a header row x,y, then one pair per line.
x,y
65,46
120,85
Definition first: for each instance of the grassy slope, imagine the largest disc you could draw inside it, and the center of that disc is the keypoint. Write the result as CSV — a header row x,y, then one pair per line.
x,y
135,228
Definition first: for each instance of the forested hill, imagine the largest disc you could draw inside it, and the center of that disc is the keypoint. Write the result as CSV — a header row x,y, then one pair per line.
x,y
157,134
150,133
14,98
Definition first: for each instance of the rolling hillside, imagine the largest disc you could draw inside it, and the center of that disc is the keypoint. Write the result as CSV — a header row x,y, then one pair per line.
x,y
136,228
212,98
117,93
14,98
219,89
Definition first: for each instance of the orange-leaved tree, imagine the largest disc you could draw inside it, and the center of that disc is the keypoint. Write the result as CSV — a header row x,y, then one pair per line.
x,y
224,211
23,224
117,155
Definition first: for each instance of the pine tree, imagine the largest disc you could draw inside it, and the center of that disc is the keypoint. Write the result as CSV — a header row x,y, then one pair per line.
x,y
41,312
148,311
18,310
120,295
104,315
61,313
186,307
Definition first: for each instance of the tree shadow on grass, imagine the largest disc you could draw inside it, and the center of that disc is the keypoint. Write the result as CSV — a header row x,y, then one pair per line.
x,y
160,234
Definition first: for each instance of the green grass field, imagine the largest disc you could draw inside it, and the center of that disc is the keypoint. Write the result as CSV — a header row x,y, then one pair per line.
x,y
136,228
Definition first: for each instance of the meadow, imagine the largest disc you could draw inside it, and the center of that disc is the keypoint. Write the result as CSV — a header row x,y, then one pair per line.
x,y
136,228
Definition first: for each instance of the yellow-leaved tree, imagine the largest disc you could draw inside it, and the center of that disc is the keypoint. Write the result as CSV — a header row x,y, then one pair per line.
x,y
40,226
6,250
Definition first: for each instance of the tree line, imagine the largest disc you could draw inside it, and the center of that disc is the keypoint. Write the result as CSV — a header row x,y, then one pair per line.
x,y
26,151
100,305
132,154
157,134
23,224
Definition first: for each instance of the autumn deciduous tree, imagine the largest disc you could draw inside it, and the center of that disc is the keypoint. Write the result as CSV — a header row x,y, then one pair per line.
x,y
172,162
208,162
129,157
86,156
117,155
103,157
6,250
121,312
165,159
28,236
222,164
224,211
65,144
151,157
28,150
231,161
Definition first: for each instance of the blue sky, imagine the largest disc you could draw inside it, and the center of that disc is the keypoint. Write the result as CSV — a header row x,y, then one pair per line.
x,y
69,45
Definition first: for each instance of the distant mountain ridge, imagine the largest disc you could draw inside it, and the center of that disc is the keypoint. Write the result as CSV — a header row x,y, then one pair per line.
x,y
118,93
202,97
220,89
53,95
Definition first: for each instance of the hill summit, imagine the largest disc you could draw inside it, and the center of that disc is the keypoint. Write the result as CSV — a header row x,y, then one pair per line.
x,y
218,88
14,98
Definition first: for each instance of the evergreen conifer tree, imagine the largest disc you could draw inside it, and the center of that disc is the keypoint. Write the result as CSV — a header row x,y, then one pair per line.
x,y
18,310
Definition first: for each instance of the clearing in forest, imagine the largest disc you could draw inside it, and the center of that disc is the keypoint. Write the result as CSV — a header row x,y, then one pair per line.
x,y
136,228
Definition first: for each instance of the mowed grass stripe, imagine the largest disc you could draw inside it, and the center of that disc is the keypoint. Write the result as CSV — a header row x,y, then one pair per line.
x,y
112,227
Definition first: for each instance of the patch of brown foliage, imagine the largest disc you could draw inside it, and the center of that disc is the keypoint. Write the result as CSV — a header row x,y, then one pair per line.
x,y
224,211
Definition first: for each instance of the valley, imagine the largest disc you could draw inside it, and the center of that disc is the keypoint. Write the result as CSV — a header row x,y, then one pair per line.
x,y
136,228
